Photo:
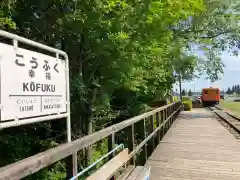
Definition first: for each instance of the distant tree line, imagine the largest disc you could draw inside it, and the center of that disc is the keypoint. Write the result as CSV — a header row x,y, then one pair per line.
x,y
189,93
235,89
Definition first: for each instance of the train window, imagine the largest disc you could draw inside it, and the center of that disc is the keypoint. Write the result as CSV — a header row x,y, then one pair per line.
x,y
205,92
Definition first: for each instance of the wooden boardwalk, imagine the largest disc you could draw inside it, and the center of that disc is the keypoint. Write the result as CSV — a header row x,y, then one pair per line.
x,y
197,147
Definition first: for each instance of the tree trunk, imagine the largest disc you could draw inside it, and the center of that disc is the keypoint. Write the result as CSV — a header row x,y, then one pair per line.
x,y
90,124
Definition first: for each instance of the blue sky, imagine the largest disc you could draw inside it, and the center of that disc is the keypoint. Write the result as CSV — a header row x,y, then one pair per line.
x,y
231,75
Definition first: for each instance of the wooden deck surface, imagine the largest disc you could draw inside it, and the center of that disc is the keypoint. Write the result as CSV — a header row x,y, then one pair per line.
x,y
196,147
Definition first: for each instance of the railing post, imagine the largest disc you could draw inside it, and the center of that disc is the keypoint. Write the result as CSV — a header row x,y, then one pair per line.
x,y
165,118
70,166
162,120
158,124
111,143
151,144
142,132
170,114
145,135
167,112
169,120
131,142
174,111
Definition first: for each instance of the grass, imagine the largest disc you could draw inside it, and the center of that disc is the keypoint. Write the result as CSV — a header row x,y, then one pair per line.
x,y
231,106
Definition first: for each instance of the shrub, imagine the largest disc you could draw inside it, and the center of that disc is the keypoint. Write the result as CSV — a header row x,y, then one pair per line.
x,y
187,103
175,98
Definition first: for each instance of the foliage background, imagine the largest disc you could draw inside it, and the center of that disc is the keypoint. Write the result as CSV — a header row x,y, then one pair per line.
x,y
123,56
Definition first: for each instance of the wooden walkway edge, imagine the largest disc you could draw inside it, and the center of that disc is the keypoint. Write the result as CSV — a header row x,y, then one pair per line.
x,y
196,147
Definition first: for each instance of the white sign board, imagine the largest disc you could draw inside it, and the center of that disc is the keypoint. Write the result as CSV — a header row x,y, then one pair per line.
x,y
32,84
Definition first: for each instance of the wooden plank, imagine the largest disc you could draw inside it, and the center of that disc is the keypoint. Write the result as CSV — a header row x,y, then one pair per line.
x,y
195,169
141,127
131,141
126,173
109,169
34,163
196,147
111,144
162,120
151,144
157,124
135,173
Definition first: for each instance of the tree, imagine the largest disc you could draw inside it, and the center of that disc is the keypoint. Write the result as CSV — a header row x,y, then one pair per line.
x,y
233,89
183,92
6,10
213,31
184,68
229,91
238,89
123,55
189,92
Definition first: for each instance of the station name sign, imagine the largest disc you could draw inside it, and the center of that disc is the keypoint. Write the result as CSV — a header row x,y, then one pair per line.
x,y
32,84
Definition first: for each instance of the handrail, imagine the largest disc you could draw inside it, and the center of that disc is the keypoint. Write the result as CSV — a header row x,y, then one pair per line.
x,y
96,162
34,163
131,154
30,42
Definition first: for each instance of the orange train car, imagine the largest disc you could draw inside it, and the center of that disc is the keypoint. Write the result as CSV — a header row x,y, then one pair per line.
x,y
210,96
